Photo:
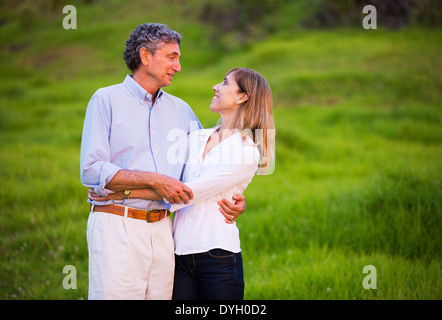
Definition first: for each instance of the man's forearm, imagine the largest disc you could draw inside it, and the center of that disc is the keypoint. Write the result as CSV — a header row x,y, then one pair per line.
x,y
171,189
127,179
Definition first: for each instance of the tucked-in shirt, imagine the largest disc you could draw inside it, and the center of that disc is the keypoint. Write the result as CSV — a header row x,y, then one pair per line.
x,y
226,170
123,130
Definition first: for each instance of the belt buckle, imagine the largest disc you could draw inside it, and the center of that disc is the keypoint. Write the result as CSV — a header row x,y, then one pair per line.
x,y
148,215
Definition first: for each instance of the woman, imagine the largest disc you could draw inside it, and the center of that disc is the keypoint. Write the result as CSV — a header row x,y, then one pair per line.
x,y
221,162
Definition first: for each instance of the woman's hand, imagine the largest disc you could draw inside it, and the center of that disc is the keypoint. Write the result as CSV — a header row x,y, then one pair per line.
x,y
231,211
119,195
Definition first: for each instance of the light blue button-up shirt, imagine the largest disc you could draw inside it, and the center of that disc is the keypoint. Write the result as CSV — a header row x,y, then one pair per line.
x,y
123,130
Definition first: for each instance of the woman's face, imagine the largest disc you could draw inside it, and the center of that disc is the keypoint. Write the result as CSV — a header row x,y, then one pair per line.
x,y
226,96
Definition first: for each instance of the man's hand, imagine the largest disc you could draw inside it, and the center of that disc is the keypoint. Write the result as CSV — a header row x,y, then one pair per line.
x,y
231,211
173,190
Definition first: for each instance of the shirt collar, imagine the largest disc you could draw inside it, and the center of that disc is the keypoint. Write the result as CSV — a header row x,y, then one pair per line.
x,y
138,91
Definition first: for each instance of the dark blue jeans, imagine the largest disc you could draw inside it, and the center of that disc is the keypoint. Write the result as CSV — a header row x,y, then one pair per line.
x,y
213,275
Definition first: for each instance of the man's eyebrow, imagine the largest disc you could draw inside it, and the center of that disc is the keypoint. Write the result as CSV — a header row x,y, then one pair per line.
x,y
175,53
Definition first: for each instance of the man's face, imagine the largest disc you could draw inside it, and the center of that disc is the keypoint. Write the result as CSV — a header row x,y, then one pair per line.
x,y
164,64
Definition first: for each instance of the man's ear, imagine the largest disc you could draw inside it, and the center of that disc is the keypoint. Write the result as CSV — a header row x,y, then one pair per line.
x,y
145,56
243,98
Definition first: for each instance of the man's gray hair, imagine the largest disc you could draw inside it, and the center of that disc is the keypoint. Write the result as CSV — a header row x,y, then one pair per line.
x,y
149,36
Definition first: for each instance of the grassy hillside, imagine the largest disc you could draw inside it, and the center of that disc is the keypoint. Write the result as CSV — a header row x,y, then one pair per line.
x,y
358,151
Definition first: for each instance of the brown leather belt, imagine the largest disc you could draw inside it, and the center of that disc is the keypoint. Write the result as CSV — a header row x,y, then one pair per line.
x,y
149,215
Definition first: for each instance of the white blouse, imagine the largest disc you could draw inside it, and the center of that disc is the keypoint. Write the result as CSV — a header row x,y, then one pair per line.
x,y
227,169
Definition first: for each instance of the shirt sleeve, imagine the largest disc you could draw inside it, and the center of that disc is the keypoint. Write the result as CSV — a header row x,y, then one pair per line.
x,y
96,170
217,178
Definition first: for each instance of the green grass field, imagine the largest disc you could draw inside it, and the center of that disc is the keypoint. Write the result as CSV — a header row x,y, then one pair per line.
x,y
358,168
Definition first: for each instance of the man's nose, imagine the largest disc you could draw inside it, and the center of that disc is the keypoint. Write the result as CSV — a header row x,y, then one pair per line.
x,y
177,67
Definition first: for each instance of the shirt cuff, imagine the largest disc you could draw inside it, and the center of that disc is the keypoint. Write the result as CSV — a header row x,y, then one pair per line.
x,y
175,207
108,171
158,205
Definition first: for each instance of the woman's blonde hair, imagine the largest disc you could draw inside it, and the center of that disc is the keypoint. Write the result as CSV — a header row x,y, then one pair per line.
x,y
254,117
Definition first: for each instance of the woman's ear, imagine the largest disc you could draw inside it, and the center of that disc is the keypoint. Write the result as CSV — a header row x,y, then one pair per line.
x,y
243,98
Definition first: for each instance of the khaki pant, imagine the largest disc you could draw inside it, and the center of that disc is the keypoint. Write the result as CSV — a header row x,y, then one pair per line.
x,y
129,258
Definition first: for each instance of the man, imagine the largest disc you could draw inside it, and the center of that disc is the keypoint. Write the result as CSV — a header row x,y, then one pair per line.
x,y
124,147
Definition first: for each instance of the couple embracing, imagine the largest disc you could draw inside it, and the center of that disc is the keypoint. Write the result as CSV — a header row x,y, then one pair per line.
x,y
135,250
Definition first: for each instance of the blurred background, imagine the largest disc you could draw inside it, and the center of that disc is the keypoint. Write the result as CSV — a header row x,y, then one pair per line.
x,y
358,115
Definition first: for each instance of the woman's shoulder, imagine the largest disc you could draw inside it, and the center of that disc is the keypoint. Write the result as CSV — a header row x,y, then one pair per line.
x,y
249,152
